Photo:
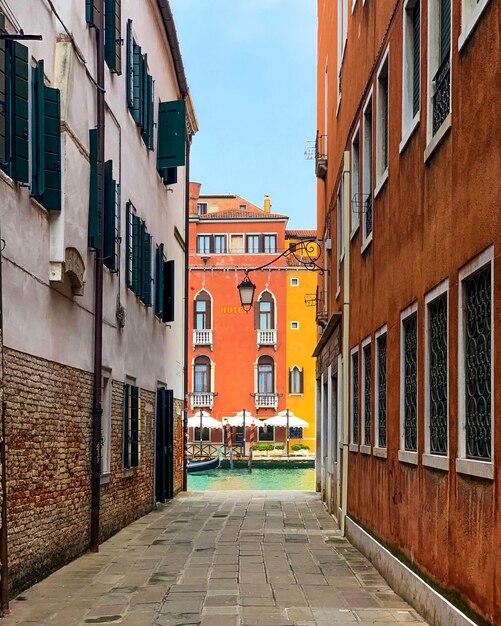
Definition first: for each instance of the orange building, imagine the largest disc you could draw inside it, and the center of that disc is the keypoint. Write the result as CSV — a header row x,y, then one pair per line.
x,y
239,359
409,181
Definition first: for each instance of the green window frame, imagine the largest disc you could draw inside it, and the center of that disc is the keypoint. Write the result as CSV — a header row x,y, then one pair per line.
x,y
171,142
93,15
131,426
140,88
159,281
113,35
168,313
138,258
111,234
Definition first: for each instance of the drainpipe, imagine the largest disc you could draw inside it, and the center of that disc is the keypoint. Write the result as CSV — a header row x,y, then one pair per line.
x,y
98,298
4,556
186,300
346,335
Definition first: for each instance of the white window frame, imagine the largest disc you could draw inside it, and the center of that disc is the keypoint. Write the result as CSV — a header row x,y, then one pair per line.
x,y
377,450
365,449
203,252
481,469
274,234
436,461
471,12
295,325
355,186
225,235
353,5
354,447
106,418
340,51
301,375
294,281
367,165
409,121
408,456
339,234
382,173
230,246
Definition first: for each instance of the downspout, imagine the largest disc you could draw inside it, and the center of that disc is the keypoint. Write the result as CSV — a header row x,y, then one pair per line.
x,y
186,296
346,334
98,298
4,555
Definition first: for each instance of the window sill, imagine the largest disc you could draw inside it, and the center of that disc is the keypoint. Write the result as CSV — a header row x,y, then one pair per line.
x,y
382,453
365,449
7,179
105,478
297,395
436,461
408,133
126,473
366,244
407,456
353,447
467,29
338,293
381,182
354,231
480,469
436,140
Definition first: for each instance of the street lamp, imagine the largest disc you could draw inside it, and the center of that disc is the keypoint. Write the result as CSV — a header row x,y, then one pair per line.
x,y
246,290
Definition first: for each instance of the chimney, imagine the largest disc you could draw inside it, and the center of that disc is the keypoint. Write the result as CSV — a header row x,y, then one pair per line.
x,y
267,204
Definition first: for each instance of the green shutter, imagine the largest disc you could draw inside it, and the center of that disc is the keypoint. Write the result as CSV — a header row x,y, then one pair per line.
x,y
445,30
3,96
17,99
93,13
416,53
136,254
147,131
171,146
137,84
169,176
159,280
168,303
134,426
38,131
51,196
146,269
128,244
126,428
130,66
110,218
93,191
113,36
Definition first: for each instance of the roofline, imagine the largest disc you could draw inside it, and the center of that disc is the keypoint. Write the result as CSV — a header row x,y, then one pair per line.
x,y
219,195
196,218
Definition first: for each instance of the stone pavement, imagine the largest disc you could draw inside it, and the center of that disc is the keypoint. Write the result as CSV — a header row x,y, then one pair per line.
x,y
220,559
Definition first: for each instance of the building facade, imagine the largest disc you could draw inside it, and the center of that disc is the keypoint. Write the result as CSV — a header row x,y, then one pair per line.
x,y
408,179
246,360
95,122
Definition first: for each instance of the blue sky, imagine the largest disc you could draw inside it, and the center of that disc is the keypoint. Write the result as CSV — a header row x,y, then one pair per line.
x,y
251,67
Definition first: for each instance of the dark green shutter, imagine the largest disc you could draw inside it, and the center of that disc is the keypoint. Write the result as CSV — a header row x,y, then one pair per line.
x,y
128,244
130,67
51,196
93,191
37,131
93,13
17,112
170,176
134,426
445,30
137,83
126,428
416,53
146,269
169,277
110,218
159,280
3,97
113,36
136,254
386,106
147,130
171,146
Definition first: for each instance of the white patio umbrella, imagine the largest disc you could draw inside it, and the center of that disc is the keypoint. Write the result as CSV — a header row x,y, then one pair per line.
x,y
286,419
204,420
244,418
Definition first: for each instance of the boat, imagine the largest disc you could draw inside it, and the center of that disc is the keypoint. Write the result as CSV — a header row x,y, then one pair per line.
x,y
203,466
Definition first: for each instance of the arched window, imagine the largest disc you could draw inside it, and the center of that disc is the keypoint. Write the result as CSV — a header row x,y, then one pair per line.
x,y
201,376
296,380
265,375
265,312
202,312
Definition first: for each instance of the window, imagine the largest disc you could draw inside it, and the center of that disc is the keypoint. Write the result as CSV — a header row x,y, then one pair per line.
x,y
106,424
294,325
140,86
201,208
111,234
366,393
202,315
243,207
355,181
354,396
342,35
204,244
295,432
159,280
411,92
113,35
236,244
205,434
266,433
265,375
171,143
296,384
265,312
471,11
367,172
408,400
380,439
138,260
436,359
270,244
475,361
201,378
382,120
252,244
294,282
131,426
339,235
439,64
220,246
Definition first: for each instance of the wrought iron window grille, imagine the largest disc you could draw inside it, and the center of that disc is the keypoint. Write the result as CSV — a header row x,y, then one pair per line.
x,y
367,395
354,365
441,94
437,330
381,387
368,216
410,383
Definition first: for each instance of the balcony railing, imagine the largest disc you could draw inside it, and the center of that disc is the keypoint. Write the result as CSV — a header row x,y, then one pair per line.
x,y
266,400
202,338
267,338
441,94
321,308
318,150
202,400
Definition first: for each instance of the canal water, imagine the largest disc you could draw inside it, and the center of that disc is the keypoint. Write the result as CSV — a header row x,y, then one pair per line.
x,y
272,478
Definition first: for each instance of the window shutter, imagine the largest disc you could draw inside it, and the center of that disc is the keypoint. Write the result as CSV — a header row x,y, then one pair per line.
x,y
134,426
445,29
171,147
136,254
256,316
130,66
301,381
18,101
110,194
208,312
93,191
159,280
146,267
170,176
416,77
37,131
137,83
113,35
128,245
291,384
147,129
3,97
93,14
169,291
51,195
125,426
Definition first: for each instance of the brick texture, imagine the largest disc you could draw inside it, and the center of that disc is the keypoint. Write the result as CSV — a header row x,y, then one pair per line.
x,y
178,445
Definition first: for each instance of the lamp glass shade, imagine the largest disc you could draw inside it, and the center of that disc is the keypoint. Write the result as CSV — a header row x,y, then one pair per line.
x,y
246,290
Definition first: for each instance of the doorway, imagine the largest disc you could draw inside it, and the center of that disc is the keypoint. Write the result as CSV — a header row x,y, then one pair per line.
x,y
164,459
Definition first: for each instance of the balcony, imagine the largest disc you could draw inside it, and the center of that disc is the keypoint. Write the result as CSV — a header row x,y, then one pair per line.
x,y
202,400
267,338
266,400
202,338
318,150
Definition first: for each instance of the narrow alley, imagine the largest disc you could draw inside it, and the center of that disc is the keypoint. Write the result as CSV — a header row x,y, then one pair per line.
x,y
220,558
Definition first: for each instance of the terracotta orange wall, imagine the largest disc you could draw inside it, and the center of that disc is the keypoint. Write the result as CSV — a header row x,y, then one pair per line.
x,y
429,220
